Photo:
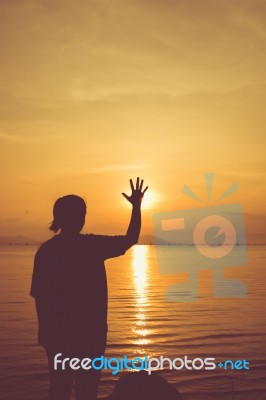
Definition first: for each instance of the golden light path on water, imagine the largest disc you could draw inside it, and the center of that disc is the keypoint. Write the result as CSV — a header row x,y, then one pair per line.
x,y
140,280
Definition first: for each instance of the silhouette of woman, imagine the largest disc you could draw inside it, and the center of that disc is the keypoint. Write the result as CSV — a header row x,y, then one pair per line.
x,y
70,290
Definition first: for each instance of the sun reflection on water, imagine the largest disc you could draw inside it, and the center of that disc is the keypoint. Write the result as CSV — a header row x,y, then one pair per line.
x,y
140,279
140,273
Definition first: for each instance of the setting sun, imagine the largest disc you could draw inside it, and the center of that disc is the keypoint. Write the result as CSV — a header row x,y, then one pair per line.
x,y
149,200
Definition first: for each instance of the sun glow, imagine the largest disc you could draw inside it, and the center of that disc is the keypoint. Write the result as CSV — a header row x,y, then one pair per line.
x,y
149,199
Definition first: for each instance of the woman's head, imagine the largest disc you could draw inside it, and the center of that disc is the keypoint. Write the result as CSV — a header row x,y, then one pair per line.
x,y
69,214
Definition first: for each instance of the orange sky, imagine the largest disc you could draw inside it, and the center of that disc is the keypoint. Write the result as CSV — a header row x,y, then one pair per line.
x,y
95,92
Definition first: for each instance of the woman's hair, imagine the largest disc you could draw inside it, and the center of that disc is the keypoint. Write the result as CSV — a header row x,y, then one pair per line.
x,y
64,208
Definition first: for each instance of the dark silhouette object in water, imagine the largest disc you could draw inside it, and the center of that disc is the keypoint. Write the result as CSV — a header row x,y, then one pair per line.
x,y
70,290
142,386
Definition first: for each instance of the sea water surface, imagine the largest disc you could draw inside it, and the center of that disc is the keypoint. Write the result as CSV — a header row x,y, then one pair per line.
x,y
142,323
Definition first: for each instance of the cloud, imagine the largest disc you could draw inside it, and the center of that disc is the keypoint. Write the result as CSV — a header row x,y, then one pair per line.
x,y
114,168
12,220
16,138
93,51
30,183
24,138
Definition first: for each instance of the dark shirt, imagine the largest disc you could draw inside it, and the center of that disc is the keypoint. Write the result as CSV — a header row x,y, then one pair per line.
x,y
70,288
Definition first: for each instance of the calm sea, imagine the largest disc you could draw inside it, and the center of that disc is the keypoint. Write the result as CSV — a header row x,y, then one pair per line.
x,y
142,323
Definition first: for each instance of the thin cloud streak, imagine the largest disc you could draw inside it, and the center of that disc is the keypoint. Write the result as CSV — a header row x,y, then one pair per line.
x,y
21,138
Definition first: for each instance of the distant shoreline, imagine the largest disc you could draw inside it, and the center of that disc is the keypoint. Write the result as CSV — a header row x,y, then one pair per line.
x,y
143,244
